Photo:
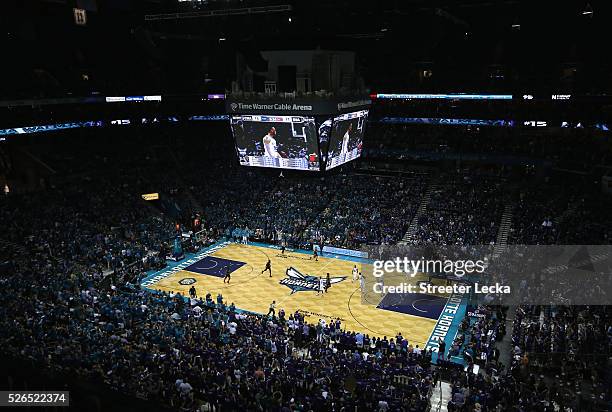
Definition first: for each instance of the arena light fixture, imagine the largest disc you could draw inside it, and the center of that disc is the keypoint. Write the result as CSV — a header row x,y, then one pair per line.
x,y
445,96
150,196
282,8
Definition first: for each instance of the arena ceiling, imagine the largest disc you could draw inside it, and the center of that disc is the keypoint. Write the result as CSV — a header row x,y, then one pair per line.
x,y
477,44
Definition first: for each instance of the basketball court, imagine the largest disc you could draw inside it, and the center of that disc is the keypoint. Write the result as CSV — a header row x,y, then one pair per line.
x,y
296,289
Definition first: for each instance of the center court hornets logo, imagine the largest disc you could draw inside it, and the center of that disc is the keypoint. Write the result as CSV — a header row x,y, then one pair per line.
x,y
187,281
299,283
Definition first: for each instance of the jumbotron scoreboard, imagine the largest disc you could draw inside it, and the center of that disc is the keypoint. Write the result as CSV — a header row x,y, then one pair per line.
x,y
312,135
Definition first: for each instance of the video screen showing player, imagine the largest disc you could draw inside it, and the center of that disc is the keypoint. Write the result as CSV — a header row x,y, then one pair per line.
x,y
324,126
286,142
346,139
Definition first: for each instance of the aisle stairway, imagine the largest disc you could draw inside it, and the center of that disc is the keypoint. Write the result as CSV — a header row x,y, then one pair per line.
x,y
414,224
504,230
188,197
505,345
567,214
440,396
10,245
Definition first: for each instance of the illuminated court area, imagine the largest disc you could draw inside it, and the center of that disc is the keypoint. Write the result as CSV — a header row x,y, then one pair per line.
x,y
251,290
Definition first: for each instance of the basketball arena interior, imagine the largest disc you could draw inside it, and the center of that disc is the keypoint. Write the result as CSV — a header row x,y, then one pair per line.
x,y
290,206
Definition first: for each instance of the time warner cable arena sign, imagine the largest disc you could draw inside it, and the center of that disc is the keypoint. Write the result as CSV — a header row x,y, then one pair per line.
x,y
294,106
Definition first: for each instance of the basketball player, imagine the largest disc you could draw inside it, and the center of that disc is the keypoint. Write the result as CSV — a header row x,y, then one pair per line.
x,y
345,140
228,274
355,273
361,282
320,286
192,292
315,255
268,267
327,282
269,143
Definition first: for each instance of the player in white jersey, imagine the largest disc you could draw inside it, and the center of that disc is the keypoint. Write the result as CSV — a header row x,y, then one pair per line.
x,y
269,143
355,273
345,140
361,282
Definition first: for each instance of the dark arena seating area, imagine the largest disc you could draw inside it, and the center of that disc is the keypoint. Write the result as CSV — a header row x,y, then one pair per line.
x,y
142,141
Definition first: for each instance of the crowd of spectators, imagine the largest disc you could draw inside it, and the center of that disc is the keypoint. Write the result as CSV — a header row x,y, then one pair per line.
x,y
385,205
568,211
62,244
301,211
191,355
199,355
570,148
286,210
568,343
73,254
513,392
563,347
478,335
462,211
536,216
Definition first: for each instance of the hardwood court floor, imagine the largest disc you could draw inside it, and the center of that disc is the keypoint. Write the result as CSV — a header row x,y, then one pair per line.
x,y
251,290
